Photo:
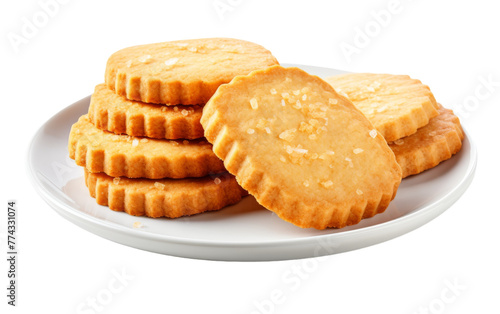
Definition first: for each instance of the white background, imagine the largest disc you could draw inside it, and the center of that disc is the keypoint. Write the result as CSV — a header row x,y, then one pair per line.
x,y
449,45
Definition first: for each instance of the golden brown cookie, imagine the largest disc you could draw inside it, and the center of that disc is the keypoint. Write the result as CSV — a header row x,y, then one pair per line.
x,y
182,72
170,198
396,105
122,155
119,115
305,152
432,144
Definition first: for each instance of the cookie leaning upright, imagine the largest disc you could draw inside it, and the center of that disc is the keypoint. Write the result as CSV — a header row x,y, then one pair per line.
x,y
305,152
396,105
182,72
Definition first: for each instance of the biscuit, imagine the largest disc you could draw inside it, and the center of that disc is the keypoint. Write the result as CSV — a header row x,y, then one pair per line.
x,y
119,115
170,198
396,105
182,72
430,145
305,152
122,155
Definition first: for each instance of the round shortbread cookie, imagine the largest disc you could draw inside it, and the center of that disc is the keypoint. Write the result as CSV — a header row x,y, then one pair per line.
x,y
111,112
170,198
182,72
123,155
432,144
305,152
396,105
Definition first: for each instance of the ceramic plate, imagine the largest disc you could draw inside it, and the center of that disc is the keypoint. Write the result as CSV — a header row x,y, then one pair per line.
x,y
245,231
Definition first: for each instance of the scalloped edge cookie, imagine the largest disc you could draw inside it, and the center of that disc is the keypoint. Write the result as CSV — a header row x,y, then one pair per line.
x,y
303,151
429,146
396,105
122,155
111,112
171,198
184,72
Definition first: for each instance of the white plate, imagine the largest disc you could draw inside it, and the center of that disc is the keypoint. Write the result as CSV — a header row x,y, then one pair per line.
x,y
245,231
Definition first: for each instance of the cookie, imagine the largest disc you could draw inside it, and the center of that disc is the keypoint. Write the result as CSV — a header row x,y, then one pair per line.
x,y
430,145
182,72
119,115
122,155
170,198
305,152
396,105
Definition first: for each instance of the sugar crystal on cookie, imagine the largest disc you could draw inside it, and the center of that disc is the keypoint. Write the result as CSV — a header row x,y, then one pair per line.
x,y
297,104
327,184
144,58
349,160
159,185
254,104
171,61
288,135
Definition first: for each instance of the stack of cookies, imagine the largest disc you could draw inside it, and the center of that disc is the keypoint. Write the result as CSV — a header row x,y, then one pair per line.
x,y
420,131
185,127
142,145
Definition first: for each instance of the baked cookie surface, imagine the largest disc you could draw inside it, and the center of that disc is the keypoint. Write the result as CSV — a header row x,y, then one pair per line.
x,y
170,198
305,152
430,145
122,155
396,105
119,115
182,72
